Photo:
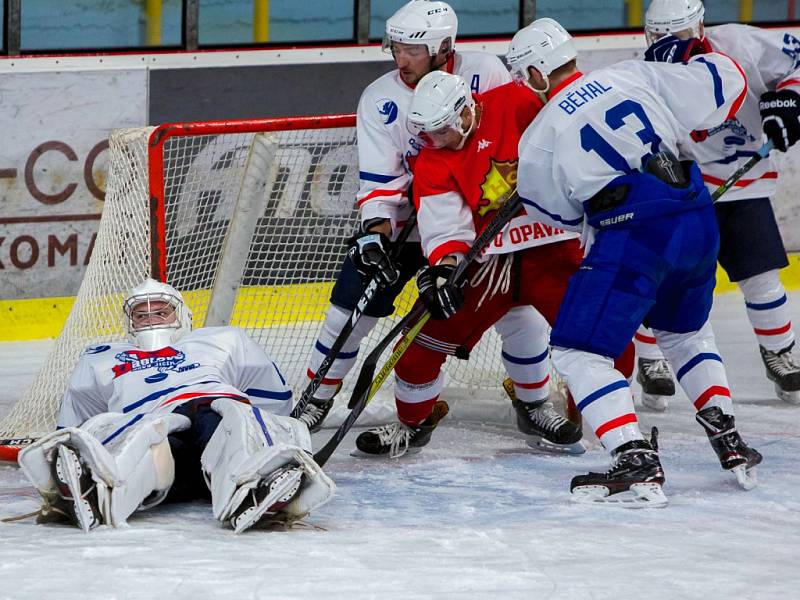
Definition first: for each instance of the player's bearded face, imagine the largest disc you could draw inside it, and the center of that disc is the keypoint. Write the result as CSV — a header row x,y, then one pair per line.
x,y
412,60
152,313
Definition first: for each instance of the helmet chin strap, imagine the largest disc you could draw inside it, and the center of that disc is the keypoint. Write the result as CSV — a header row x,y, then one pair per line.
x,y
465,134
546,84
154,339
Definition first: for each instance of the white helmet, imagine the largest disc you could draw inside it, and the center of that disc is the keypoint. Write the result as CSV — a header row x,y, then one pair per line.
x,y
666,17
157,334
544,45
422,22
437,104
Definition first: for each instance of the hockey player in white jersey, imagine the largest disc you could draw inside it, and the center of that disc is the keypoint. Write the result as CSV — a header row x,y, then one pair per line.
x,y
421,37
751,249
600,157
171,415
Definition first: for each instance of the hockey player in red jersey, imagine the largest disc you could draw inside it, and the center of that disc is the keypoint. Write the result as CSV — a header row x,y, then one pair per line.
x,y
461,179
421,37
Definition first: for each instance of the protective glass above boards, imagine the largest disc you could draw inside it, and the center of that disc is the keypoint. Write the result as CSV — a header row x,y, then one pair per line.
x,y
59,25
502,17
224,22
101,24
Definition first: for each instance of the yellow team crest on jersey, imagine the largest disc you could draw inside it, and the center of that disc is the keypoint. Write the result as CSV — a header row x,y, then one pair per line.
x,y
500,181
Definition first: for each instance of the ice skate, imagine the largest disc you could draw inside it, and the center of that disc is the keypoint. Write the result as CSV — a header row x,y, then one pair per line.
x,y
548,430
264,503
783,369
733,453
634,480
397,439
78,492
657,384
315,413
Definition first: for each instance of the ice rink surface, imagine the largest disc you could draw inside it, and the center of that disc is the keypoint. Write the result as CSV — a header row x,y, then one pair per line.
x,y
475,515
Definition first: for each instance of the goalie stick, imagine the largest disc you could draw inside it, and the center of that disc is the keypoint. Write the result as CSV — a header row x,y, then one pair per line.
x,y
369,293
11,447
365,388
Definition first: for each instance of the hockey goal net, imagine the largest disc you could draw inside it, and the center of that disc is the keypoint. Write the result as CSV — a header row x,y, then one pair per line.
x,y
249,220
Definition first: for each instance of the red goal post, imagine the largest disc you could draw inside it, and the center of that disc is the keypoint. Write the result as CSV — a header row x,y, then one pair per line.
x,y
249,219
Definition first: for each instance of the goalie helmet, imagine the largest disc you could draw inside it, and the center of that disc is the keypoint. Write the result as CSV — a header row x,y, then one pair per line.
x,y
157,315
544,45
665,17
422,22
437,107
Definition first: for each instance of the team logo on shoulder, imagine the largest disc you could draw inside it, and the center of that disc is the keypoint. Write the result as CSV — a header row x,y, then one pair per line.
x,y
388,110
165,359
499,182
97,349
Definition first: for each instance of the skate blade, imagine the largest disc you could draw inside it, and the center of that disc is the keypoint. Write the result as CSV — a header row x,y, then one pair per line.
x,y
640,495
655,403
69,471
746,477
788,397
290,484
356,453
548,447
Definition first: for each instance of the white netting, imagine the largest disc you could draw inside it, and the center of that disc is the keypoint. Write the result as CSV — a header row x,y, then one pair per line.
x,y
255,229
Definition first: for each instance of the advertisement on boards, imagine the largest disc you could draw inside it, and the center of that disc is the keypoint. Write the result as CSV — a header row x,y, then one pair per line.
x,y
53,169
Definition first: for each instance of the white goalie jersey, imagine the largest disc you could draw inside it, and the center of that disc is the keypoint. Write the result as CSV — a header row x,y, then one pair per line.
x,y
386,148
770,61
213,362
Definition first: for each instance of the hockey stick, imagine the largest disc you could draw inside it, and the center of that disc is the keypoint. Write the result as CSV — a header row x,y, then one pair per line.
x,y
365,388
763,152
369,293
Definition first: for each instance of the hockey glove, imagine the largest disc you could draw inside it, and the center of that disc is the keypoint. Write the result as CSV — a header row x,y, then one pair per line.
x,y
370,255
441,298
670,49
780,117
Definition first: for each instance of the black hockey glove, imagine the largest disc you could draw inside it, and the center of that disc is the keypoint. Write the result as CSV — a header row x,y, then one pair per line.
x,y
442,299
370,255
670,49
780,117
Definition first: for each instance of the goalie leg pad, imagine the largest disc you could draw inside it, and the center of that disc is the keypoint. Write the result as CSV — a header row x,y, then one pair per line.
x,y
127,457
246,451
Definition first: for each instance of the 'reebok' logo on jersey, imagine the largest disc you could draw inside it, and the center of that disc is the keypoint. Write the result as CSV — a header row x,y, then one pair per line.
x,y
165,359
388,110
499,182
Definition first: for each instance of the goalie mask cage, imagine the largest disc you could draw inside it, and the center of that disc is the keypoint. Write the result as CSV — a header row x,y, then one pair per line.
x,y
249,220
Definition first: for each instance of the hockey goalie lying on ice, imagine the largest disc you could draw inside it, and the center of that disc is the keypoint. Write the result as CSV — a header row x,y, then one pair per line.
x,y
175,415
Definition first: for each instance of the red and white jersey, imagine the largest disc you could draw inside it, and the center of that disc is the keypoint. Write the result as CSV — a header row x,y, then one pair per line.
x,y
211,362
385,145
770,59
599,126
458,192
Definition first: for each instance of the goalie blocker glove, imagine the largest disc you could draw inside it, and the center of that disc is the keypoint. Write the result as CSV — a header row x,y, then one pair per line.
x,y
670,49
370,254
780,117
441,297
